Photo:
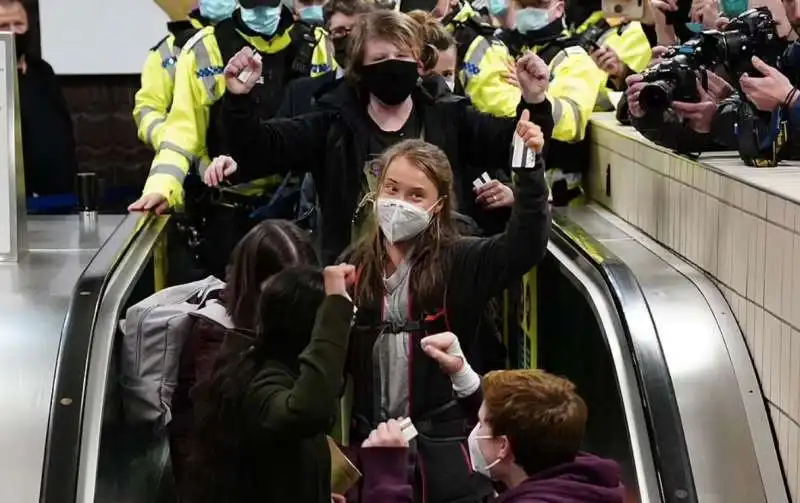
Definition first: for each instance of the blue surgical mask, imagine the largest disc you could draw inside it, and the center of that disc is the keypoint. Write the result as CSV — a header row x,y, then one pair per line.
x,y
217,10
695,27
312,14
531,19
732,8
263,20
498,8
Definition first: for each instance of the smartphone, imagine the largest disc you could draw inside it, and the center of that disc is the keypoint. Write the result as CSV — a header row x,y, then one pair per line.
x,y
632,10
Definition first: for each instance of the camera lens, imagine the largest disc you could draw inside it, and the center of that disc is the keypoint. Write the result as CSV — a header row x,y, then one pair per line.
x,y
656,95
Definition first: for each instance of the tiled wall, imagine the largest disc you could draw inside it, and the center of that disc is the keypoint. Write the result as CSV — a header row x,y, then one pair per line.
x,y
747,239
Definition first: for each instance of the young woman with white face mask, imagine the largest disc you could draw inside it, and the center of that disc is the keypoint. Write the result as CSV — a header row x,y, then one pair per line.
x,y
416,277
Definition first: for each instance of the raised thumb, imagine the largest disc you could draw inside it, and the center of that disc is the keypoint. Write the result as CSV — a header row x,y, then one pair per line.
x,y
525,116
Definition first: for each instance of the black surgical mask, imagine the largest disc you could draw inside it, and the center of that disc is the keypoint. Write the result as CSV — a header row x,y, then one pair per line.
x,y
340,49
21,42
391,81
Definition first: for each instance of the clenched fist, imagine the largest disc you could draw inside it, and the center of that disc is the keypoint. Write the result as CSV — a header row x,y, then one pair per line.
x,y
245,63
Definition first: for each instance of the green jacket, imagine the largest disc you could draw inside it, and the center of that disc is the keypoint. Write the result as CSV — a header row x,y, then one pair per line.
x,y
286,414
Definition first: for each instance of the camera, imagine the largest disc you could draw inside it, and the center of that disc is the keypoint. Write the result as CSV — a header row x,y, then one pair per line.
x,y
675,77
752,33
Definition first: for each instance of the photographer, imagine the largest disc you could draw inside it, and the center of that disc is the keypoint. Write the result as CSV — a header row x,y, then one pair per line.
x,y
753,121
683,126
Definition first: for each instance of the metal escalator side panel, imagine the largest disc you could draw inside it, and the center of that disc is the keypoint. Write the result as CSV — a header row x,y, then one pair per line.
x,y
590,283
747,425
667,439
61,456
99,365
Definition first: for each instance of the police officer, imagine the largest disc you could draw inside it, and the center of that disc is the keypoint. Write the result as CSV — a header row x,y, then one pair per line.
x,y
288,49
619,48
575,81
482,60
154,98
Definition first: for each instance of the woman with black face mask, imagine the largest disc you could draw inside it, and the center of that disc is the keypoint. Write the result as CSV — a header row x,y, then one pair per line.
x,y
381,104
263,415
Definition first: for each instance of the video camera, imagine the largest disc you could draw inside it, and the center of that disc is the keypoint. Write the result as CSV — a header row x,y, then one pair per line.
x,y
754,32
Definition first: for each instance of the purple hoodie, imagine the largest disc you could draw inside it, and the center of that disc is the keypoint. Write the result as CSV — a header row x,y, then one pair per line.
x,y
588,479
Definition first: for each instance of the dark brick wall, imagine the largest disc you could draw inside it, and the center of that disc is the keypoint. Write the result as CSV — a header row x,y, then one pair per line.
x,y
101,108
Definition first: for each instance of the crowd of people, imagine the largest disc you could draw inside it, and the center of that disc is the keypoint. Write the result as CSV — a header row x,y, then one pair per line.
x,y
391,166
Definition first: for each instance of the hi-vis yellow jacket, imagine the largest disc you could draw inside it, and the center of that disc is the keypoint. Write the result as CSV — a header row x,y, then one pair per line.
x,y
199,83
154,98
482,71
628,40
575,81
630,43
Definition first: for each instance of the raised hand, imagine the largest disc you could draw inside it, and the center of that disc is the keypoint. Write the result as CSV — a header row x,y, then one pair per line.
x,y
244,60
533,76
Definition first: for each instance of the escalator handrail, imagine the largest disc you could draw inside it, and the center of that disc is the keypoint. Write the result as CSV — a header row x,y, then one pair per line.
x,y
62,447
662,414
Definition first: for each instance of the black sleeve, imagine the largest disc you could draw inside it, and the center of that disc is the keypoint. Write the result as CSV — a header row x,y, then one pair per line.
x,y
723,127
276,146
60,103
489,265
667,129
486,140
287,104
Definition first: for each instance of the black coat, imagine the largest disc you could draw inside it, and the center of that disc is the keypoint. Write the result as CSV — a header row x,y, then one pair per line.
x,y
332,145
301,94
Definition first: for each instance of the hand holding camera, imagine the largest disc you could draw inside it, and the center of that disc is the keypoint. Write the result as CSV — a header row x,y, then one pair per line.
x,y
769,92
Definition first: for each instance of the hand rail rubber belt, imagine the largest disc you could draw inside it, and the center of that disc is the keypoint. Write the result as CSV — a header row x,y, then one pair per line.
x,y
668,442
62,449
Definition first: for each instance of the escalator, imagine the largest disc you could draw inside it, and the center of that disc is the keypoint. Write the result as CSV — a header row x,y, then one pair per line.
x,y
647,339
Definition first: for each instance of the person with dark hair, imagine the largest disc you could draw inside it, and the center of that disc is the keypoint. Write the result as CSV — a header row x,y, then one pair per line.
x,y
262,417
48,140
270,247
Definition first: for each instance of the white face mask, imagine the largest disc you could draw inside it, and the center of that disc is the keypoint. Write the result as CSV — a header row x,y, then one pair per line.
x,y
400,220
479,463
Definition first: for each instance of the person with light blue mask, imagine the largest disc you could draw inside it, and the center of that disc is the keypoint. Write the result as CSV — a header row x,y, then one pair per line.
x,y
290,50
309,12
154,99
216,10
539,26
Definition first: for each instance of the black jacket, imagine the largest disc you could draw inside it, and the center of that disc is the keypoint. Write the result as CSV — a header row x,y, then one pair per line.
x,y
48,141
301,94
475,270
332,145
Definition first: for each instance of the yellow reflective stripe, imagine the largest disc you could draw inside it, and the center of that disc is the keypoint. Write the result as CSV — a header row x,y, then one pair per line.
x,y
558,59
576,112
168,145
204,69
472,63
143,113
168,59
202,166
168,169
152,127
558,109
